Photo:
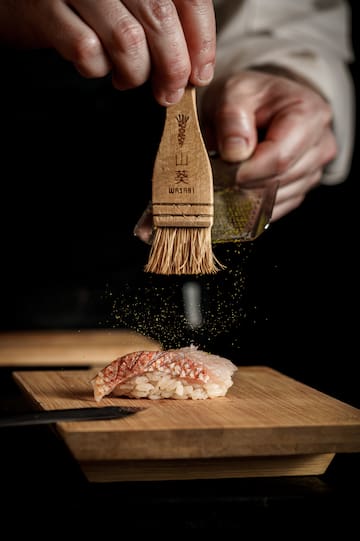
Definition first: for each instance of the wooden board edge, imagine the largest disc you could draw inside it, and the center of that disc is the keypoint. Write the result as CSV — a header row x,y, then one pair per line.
x,y
58,348
177,469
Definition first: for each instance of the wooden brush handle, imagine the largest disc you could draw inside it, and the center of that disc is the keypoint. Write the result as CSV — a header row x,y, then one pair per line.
x,y
182,184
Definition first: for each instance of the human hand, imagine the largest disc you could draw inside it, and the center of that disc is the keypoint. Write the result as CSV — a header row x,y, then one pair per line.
x,y
171,41
297,142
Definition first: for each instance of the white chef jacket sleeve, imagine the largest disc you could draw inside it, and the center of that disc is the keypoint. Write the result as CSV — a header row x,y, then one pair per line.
x,y
310,39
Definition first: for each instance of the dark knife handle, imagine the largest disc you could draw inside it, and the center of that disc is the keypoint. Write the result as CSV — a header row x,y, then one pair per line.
x,y
76,414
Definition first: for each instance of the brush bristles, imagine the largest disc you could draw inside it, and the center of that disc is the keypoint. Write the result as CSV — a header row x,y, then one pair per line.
x,y
182,250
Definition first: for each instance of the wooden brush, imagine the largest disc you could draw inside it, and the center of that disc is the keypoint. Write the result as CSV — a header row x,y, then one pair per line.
x,y
182,196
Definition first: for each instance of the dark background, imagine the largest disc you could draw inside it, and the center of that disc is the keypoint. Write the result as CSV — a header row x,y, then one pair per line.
x,y
76,165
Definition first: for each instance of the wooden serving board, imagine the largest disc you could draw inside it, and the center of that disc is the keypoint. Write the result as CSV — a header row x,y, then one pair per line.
x,y
88,347
267,425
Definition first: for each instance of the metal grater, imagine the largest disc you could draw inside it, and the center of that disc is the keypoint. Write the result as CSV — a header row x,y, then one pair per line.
x,y
239,214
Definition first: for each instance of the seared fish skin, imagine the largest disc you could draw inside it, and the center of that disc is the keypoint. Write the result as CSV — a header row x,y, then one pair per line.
x,y
176,373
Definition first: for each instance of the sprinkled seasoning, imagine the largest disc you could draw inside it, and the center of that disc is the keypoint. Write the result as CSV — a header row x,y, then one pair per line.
x,y
153,305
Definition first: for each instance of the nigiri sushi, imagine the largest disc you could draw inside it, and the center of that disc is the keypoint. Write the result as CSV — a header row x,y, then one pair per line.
x,y
175,373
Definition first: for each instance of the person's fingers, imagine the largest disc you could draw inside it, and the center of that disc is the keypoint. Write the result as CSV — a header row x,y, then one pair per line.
x,y
171,41
298,188
170,61
198,22
235,122
290,196
175,40
314,159
75,40
236,132
290,135
287,206
123,38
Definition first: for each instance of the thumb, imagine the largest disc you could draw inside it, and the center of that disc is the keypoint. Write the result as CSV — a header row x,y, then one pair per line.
x,y
236,131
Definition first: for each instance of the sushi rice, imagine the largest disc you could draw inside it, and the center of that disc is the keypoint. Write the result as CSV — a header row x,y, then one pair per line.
x,y
184,373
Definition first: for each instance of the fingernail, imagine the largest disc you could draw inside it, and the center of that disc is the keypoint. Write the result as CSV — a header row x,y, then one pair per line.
x,y
173,97
234,149
206,73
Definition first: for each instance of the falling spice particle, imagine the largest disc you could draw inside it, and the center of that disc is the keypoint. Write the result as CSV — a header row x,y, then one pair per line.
x,y
153,305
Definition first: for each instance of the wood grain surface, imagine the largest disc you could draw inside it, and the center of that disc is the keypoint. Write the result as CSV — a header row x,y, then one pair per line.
x,y
202,468
182,183
90,347
265,415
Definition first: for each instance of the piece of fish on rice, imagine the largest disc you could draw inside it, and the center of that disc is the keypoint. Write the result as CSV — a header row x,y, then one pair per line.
x,y
176,373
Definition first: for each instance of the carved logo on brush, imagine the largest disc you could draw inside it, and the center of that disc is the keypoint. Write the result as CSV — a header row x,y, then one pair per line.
x,y
181,158
182,120
182,176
